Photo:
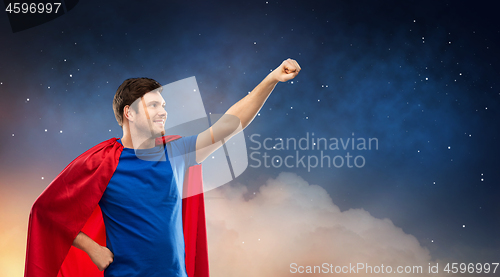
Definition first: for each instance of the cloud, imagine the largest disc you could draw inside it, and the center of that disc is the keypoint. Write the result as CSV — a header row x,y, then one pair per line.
x,y
290,221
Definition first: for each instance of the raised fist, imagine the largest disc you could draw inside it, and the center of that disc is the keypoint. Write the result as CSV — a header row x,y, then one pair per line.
x,y
286,71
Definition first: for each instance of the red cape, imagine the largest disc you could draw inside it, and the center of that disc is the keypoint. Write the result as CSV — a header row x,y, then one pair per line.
x,y
70,205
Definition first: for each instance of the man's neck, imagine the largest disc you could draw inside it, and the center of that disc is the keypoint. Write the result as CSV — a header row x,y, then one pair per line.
x,y
137,143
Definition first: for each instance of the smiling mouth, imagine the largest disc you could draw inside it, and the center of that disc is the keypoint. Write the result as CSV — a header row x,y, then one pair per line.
x,y
160,122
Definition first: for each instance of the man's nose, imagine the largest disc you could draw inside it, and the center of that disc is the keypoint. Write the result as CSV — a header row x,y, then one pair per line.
x,y
163,112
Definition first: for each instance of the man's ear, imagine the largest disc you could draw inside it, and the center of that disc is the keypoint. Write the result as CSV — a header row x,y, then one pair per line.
x,y
128,113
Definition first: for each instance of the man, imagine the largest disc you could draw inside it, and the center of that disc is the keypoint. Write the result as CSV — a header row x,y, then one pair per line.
x,y
139,196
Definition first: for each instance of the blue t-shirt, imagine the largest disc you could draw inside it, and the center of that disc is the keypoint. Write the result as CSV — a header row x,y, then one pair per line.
x,y
142,210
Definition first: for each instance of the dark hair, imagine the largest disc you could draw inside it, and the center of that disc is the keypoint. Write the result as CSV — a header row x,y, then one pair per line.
x,y
129,91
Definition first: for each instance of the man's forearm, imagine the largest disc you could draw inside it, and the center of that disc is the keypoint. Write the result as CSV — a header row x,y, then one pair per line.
x,y
247,108
235,119
84,242
243,112
101,256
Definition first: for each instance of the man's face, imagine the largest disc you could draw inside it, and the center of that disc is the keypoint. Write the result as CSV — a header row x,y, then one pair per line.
x,y
151,116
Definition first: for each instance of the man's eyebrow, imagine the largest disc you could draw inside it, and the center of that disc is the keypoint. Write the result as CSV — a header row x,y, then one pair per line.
x,y
155,102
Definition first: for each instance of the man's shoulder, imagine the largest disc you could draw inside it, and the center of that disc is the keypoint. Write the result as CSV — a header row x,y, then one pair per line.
x,y
107,144
184,140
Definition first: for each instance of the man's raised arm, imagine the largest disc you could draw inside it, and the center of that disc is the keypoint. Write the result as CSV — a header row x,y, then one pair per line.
x,y
243,112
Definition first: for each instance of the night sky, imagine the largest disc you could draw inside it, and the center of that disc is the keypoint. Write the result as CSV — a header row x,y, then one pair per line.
x,y
422,77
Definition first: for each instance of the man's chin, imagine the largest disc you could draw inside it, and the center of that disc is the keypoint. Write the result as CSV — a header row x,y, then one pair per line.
x,y
159,134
